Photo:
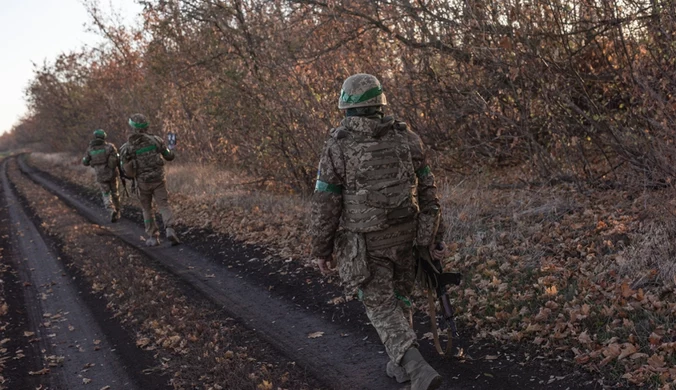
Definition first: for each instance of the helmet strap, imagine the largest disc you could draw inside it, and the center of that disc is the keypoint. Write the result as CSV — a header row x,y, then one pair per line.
x,y
370,111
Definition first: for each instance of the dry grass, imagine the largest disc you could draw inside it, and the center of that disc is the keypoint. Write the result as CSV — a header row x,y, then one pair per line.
x,y
205,196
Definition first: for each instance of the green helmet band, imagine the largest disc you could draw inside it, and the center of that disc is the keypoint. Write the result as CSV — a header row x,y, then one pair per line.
x,y
99,133
354,99
138,125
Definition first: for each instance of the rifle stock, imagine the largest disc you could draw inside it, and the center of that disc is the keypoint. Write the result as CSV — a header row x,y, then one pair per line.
x,y
431,276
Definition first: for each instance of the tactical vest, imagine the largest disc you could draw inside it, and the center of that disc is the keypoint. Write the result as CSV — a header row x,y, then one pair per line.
x,y
99,154
149,163
382,198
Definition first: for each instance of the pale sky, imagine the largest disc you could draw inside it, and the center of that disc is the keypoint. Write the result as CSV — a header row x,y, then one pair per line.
x,y
32,31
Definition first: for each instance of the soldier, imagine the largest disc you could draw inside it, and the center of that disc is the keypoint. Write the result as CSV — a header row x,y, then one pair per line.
x,y
142,159
103,157
374,199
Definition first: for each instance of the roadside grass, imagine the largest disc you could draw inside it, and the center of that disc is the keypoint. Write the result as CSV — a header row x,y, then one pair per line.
x,y
584,276
195,345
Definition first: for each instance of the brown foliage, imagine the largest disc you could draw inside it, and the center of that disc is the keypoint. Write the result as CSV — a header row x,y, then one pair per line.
x,y
577,90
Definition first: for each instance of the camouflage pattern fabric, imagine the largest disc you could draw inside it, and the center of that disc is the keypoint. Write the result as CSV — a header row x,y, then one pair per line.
x,y
338,172
157,191
392,279
111,194
103,157
372,186
149,153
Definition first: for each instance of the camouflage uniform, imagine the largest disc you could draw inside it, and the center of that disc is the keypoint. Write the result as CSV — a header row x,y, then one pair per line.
x,y
373,188
142,158
103,157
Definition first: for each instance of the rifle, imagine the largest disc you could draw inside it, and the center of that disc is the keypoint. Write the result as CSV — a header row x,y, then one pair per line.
x,y
123,178
431,276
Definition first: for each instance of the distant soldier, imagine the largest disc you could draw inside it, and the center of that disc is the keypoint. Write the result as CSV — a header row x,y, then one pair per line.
x,y
142,159
374,199
103,157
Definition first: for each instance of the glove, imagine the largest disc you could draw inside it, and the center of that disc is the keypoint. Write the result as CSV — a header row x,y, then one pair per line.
x,y
439,251
326,265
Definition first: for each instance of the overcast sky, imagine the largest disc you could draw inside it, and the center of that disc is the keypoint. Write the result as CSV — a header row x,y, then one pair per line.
x,y
32,31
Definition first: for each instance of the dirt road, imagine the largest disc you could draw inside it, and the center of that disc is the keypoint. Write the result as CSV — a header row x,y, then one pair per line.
x,y
65,346
347,355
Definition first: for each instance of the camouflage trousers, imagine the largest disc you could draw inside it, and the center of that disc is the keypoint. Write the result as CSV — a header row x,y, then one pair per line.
x,y
158,192
111,194
390,281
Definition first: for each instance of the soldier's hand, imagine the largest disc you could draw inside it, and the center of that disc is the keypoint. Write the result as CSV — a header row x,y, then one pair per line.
x,y
439,251
326,265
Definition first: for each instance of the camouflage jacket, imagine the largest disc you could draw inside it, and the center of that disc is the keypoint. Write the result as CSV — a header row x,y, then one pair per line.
x,y
142,157
348,170
103,157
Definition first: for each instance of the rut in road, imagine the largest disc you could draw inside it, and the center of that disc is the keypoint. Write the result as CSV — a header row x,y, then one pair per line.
x,y
73,350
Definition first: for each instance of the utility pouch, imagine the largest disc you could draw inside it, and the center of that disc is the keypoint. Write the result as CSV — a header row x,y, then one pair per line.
x,y
428,224
129,168
113,161
352,264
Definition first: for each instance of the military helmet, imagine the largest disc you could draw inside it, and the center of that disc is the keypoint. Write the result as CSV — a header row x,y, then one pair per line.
x,y
98,133
138,122
361,90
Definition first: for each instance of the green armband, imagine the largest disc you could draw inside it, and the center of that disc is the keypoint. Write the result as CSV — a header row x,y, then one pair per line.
x,y
326,187
424,171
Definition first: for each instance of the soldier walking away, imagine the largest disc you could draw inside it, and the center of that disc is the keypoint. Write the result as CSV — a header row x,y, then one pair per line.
x,y
103,157
375,199
142,159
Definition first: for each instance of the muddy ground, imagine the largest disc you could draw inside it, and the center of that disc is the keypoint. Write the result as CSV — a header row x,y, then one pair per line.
x,y
484,366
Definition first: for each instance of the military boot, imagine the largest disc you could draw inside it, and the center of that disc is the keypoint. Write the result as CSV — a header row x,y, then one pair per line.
x,y
423,376
171,236
153,241
397,372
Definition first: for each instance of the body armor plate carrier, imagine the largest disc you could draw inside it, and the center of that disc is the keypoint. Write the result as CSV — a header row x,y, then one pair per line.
x,y
382,200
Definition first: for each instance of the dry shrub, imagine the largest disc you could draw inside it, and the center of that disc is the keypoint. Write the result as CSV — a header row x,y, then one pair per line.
x,y
650,258
67,161
477,214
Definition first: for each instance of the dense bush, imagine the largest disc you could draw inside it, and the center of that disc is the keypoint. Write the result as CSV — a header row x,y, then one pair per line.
x,y
577,90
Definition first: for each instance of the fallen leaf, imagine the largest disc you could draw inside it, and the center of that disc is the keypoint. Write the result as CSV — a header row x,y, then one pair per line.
x,y
315,335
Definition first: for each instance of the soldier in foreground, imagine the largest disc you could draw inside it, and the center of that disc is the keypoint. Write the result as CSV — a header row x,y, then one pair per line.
x,y
103,157
142,159
374,199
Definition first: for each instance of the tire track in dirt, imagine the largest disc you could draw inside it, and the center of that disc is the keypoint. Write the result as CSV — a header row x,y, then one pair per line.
x,y
339,359
71,348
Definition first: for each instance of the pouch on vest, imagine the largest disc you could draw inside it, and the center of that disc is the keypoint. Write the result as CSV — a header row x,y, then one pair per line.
x,y
129,168
428,224
352,264
113,160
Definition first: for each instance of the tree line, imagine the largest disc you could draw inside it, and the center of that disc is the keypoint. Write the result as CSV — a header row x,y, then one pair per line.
x,y
572,90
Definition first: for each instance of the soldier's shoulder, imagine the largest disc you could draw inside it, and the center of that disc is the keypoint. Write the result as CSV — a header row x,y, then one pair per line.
x,y
340,132
400,125
124,149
